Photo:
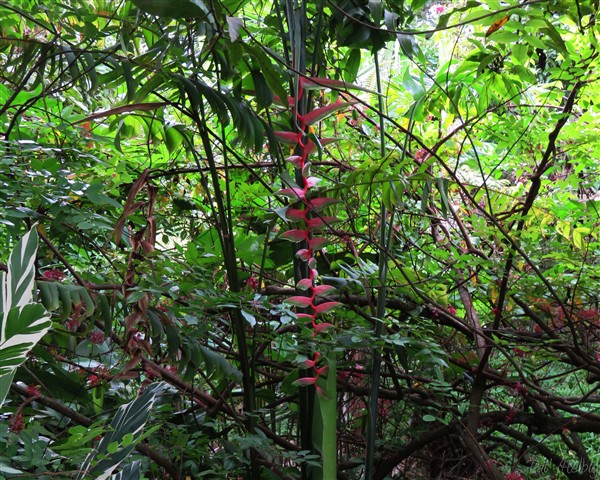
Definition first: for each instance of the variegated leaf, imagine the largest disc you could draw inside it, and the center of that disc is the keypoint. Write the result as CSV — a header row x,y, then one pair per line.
x,y
130,421
23,323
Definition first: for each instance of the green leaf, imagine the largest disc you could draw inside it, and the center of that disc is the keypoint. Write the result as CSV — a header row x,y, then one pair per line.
x,y
272,77
320,83
376,9
95,192
5,469
442,186
578,236
173,8
264,97
49,295
408,44
130,82
352,64
556,37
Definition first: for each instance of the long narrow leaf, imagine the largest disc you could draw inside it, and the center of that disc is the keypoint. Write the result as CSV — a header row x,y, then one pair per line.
x,y
23,323
17,290
130,421
325,422
318,83
130,471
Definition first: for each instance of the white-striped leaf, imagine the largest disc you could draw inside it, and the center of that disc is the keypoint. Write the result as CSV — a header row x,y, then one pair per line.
x,y
17,284
23,323
131,471
129,420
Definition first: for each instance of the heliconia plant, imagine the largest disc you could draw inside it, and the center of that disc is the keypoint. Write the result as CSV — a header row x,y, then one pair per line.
x,y
310,221
309,224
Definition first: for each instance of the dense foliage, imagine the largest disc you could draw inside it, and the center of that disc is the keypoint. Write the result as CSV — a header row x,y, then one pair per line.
x,y
299,240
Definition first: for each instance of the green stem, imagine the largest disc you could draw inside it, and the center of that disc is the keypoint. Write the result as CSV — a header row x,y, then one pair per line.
x,y
385,241
325,422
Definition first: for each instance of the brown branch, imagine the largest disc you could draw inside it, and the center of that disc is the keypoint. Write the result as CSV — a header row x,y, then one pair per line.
x,y
143,107
254,166
61,257
536,183
388,464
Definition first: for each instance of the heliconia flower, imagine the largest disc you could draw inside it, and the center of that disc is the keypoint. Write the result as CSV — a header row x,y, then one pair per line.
x,y
325,307
306,142
320,203
17,422
252,282
308,363
323,289
311,181
293,192
322,327
317,243
296,160
319,114
289,138
305,381
279,101
299,300
514,476
96,337
320,222
303,254
306,169
295,214
295,235
311,147
33,390
54,274
304,284
321,392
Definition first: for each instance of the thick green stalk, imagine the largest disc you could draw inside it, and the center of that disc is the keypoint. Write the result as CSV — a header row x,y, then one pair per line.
x,y
385,241
325,423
